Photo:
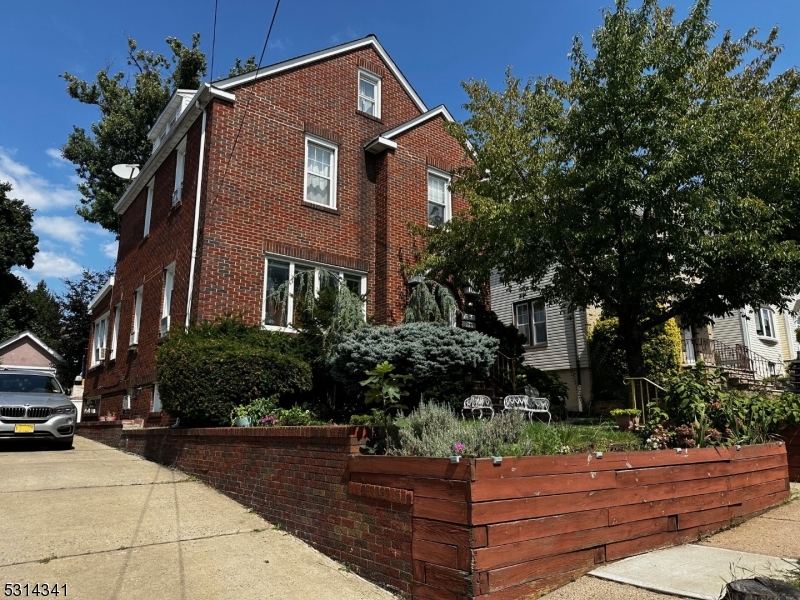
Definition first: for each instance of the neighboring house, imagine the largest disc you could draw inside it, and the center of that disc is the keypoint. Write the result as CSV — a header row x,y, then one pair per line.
x,y
27,351
318,161
555,339
753,345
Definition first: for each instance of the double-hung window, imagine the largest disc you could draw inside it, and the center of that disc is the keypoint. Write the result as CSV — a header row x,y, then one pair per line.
x,y
320,172
148,209
156,405
369,93
279,314
438,198
765,323
115,334
180,163
530,318
99,341
137,316
166,303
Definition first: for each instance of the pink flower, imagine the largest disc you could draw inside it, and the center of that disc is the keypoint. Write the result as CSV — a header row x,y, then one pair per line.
x,y
459,448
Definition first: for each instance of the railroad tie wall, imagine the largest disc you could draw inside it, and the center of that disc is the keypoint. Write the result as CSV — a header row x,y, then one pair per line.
x,y
792,438
531,524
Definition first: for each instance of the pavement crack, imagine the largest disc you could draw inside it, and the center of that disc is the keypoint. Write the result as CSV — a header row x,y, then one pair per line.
x,y
92,487
127,548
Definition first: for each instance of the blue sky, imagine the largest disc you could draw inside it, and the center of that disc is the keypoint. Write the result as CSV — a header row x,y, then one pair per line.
x,y
436,45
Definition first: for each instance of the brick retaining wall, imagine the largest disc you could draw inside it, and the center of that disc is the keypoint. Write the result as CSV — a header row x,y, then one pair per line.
x,y
531,524
105,432
297,477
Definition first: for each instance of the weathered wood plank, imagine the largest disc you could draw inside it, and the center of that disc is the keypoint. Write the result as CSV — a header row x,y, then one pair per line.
x,y
440,531
509,554
440,468
451,580
441,510
703,517
433,552
446,489
485,513
527,487
757,477
538,569
529,529
673,506
745,452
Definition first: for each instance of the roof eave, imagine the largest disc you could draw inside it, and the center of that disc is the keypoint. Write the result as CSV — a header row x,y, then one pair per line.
x,y
101,294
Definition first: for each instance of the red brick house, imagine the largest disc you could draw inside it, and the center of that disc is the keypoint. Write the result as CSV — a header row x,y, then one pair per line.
x,y
318,161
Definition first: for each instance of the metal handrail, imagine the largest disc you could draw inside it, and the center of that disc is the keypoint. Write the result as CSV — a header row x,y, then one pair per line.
x,y
736,359
504,371
645,390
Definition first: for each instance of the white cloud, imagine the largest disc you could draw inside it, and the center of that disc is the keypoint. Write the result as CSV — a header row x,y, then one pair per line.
x,y
50,264
110,249
58,160
37,191
24,277
71,230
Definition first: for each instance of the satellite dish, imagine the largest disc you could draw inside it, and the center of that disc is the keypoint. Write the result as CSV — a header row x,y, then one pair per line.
x,y
125,171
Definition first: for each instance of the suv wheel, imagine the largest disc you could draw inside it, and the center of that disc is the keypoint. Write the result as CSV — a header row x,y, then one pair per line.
x,y
62,444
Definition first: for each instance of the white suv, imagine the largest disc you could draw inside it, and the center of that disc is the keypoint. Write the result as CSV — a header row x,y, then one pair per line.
x,y
33,405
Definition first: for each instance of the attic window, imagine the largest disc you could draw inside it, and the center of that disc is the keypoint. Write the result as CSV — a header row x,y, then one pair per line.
x,y
369,93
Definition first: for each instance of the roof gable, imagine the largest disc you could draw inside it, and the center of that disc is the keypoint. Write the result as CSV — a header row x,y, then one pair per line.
x,y
306,59
28,334
387,138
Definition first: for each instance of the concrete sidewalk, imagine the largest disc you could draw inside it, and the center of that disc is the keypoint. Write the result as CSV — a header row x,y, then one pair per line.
x,y
775,533
114,526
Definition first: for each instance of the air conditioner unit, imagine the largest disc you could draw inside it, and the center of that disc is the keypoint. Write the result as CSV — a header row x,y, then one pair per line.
x,y
101,354
126,402
164,326
177,195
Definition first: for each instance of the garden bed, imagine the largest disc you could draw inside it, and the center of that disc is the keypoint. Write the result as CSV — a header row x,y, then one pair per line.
x,y
431,528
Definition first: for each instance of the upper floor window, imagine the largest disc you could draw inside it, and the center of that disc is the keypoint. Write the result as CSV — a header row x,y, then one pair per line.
x,y
166,304
148,209
531,321
115,335
277,314
369,94
137,316
438,198
99,341
180,163
320,173
765,323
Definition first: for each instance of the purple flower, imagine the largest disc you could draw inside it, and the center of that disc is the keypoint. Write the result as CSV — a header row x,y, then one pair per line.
x,y
459,448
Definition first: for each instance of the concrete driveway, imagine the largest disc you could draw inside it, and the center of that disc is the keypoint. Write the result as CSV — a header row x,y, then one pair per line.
x,y
114,526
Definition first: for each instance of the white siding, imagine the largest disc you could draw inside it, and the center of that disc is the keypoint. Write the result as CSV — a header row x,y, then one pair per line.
x,y
769,349
728,330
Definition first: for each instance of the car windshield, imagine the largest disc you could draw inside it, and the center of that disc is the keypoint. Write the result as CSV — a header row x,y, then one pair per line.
x,y
19,383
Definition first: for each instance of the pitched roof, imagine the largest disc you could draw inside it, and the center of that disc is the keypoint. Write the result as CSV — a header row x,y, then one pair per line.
x,y
34,339
101,293
306,59
386,139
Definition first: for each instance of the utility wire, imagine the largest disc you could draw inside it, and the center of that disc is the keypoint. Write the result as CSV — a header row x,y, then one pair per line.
x,y
247,105
213,43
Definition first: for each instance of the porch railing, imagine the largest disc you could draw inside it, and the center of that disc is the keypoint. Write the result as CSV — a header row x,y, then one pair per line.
x,y
738,360
643,392
504,372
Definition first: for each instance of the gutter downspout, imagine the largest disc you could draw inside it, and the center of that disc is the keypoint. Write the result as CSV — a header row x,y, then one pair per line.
x,y
196,218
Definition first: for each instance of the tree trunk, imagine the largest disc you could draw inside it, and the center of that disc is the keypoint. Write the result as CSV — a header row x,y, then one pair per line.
x,y
632,341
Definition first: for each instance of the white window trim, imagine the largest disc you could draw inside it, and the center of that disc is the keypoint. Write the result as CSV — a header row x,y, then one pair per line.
x,y
766,314
448,210
290,302
180,169
311,139
99,342
532,322
115,337
137,316
376,81
169,283
148,209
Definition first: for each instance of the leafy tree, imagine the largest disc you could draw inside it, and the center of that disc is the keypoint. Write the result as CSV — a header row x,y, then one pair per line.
x,y
18,243
129,104
45,320
659,179
76,320
240,68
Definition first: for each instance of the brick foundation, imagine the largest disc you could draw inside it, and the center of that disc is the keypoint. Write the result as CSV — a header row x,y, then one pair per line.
x,y
105,432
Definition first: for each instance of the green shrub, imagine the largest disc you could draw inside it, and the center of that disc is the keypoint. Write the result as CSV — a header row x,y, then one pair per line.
x,y
204,373
662,357
439,358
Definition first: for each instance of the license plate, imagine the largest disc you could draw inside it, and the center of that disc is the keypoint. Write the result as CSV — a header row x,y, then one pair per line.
x,y
23,428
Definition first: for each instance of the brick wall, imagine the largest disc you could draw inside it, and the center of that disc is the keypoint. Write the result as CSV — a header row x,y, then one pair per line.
x,y
108,433
297,477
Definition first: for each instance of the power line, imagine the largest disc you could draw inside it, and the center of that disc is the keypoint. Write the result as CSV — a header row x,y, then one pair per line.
x,y
213,43
247,105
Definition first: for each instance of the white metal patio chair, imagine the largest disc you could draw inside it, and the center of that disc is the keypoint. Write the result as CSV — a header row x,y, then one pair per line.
x,y
478,404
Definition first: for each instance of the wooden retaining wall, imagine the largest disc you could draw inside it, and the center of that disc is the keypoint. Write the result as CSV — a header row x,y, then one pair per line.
x,y
792,438
531,524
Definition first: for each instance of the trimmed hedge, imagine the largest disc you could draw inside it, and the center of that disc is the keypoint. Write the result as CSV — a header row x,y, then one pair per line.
x,y
203,374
